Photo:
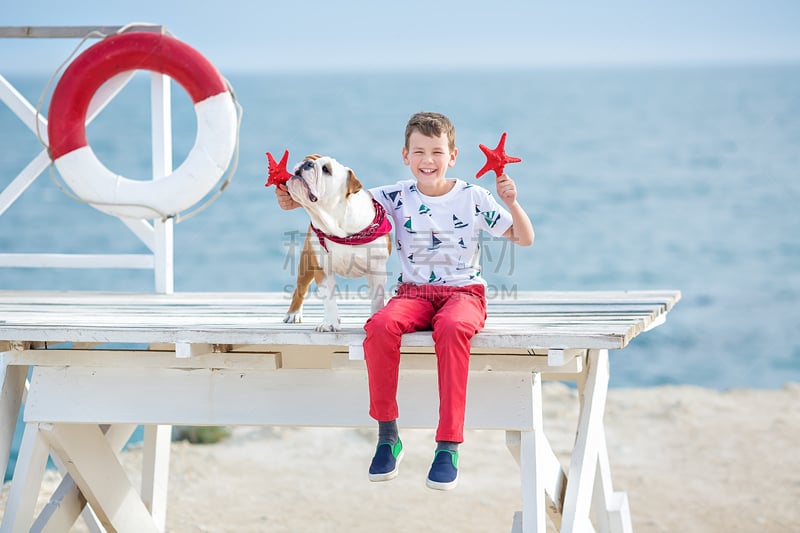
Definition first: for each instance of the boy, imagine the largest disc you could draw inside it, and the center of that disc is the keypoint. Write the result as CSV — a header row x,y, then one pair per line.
x,y
437,222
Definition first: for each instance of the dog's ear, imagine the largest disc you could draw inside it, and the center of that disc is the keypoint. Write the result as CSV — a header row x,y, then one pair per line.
x,y
312,157
353,185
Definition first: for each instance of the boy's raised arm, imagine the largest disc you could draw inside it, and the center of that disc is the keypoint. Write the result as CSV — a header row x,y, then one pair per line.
x,y
521,230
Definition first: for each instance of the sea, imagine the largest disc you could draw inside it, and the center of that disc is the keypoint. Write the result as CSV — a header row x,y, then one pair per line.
x,y
670,177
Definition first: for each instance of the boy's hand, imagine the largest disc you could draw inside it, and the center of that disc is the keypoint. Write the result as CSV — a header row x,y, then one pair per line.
x,y
284,200
506,189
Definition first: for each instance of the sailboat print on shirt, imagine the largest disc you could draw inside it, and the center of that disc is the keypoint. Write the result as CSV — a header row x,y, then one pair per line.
x,y
458,223
434,278
396,197
407,225
435,241
491,217
424,210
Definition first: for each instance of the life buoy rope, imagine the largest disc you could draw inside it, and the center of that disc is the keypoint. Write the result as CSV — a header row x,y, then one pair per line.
x,y
215,143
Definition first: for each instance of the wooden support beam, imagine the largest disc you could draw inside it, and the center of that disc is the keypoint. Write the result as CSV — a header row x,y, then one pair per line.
x,y
62,510
577,500
532,460
155,471
189,349
12,389
142,359
28,475
286,397
67,502
97,472
611,510
561,356
555,479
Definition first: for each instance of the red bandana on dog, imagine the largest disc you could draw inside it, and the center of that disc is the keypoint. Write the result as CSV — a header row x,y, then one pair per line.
x,y
379,226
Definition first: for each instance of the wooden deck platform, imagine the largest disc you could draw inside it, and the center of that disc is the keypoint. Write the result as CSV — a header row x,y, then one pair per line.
x,y
102,363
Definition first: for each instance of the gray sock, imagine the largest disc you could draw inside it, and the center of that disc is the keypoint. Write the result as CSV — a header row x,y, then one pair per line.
x,y
446,445
387,432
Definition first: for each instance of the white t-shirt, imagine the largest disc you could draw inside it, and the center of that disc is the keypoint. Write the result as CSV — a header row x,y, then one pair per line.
x,y
438,238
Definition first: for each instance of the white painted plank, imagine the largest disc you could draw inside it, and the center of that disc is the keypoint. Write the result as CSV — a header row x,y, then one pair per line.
x,y
477,363
578,320
232,334
142,359
47,260
302,397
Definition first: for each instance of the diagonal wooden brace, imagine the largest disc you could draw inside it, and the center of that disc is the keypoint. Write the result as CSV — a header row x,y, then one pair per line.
x,y
96,470
589,455
67,502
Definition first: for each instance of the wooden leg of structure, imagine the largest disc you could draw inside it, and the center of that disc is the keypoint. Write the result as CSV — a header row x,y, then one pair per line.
x,y
28,475
65,506
96,470
12,388
543,480
589,472
155,471
531,466
611,510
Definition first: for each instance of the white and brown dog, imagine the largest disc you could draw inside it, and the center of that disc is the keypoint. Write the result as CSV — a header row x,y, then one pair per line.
x,y
349,236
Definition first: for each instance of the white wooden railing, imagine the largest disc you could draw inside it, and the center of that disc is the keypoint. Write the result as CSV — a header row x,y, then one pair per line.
x,y
157,235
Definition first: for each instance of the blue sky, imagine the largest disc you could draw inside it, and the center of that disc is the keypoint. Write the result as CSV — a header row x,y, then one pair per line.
x,y
418,34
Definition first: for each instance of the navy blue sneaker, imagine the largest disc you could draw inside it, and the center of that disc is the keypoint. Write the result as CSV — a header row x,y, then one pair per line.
x,y
387,459
443,474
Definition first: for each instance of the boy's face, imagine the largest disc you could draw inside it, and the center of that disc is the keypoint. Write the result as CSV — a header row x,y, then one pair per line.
x,y
428,157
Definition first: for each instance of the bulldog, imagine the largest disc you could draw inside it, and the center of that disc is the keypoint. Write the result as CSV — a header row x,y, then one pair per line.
x,y
349,236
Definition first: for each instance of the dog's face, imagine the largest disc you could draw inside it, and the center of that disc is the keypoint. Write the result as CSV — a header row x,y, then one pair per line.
x,y
320,182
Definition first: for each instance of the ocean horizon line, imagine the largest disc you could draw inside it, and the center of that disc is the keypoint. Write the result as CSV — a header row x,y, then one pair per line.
x,y
543,67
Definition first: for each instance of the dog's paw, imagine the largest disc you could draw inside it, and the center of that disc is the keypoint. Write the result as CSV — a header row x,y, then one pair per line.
x,y
293,318
328,326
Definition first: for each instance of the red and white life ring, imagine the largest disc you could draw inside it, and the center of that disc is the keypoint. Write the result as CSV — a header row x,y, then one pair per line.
x,y
77,163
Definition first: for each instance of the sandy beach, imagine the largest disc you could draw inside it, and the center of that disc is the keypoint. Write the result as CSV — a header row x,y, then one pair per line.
x,y
690,459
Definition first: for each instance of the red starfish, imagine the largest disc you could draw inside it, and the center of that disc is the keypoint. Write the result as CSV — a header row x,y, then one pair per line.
x,y
496,159
277,173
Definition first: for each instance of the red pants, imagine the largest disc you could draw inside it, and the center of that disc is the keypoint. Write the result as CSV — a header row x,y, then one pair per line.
x,y
455,314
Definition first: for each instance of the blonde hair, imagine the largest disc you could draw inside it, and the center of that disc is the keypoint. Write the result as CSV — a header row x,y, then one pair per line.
x,y
431,124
